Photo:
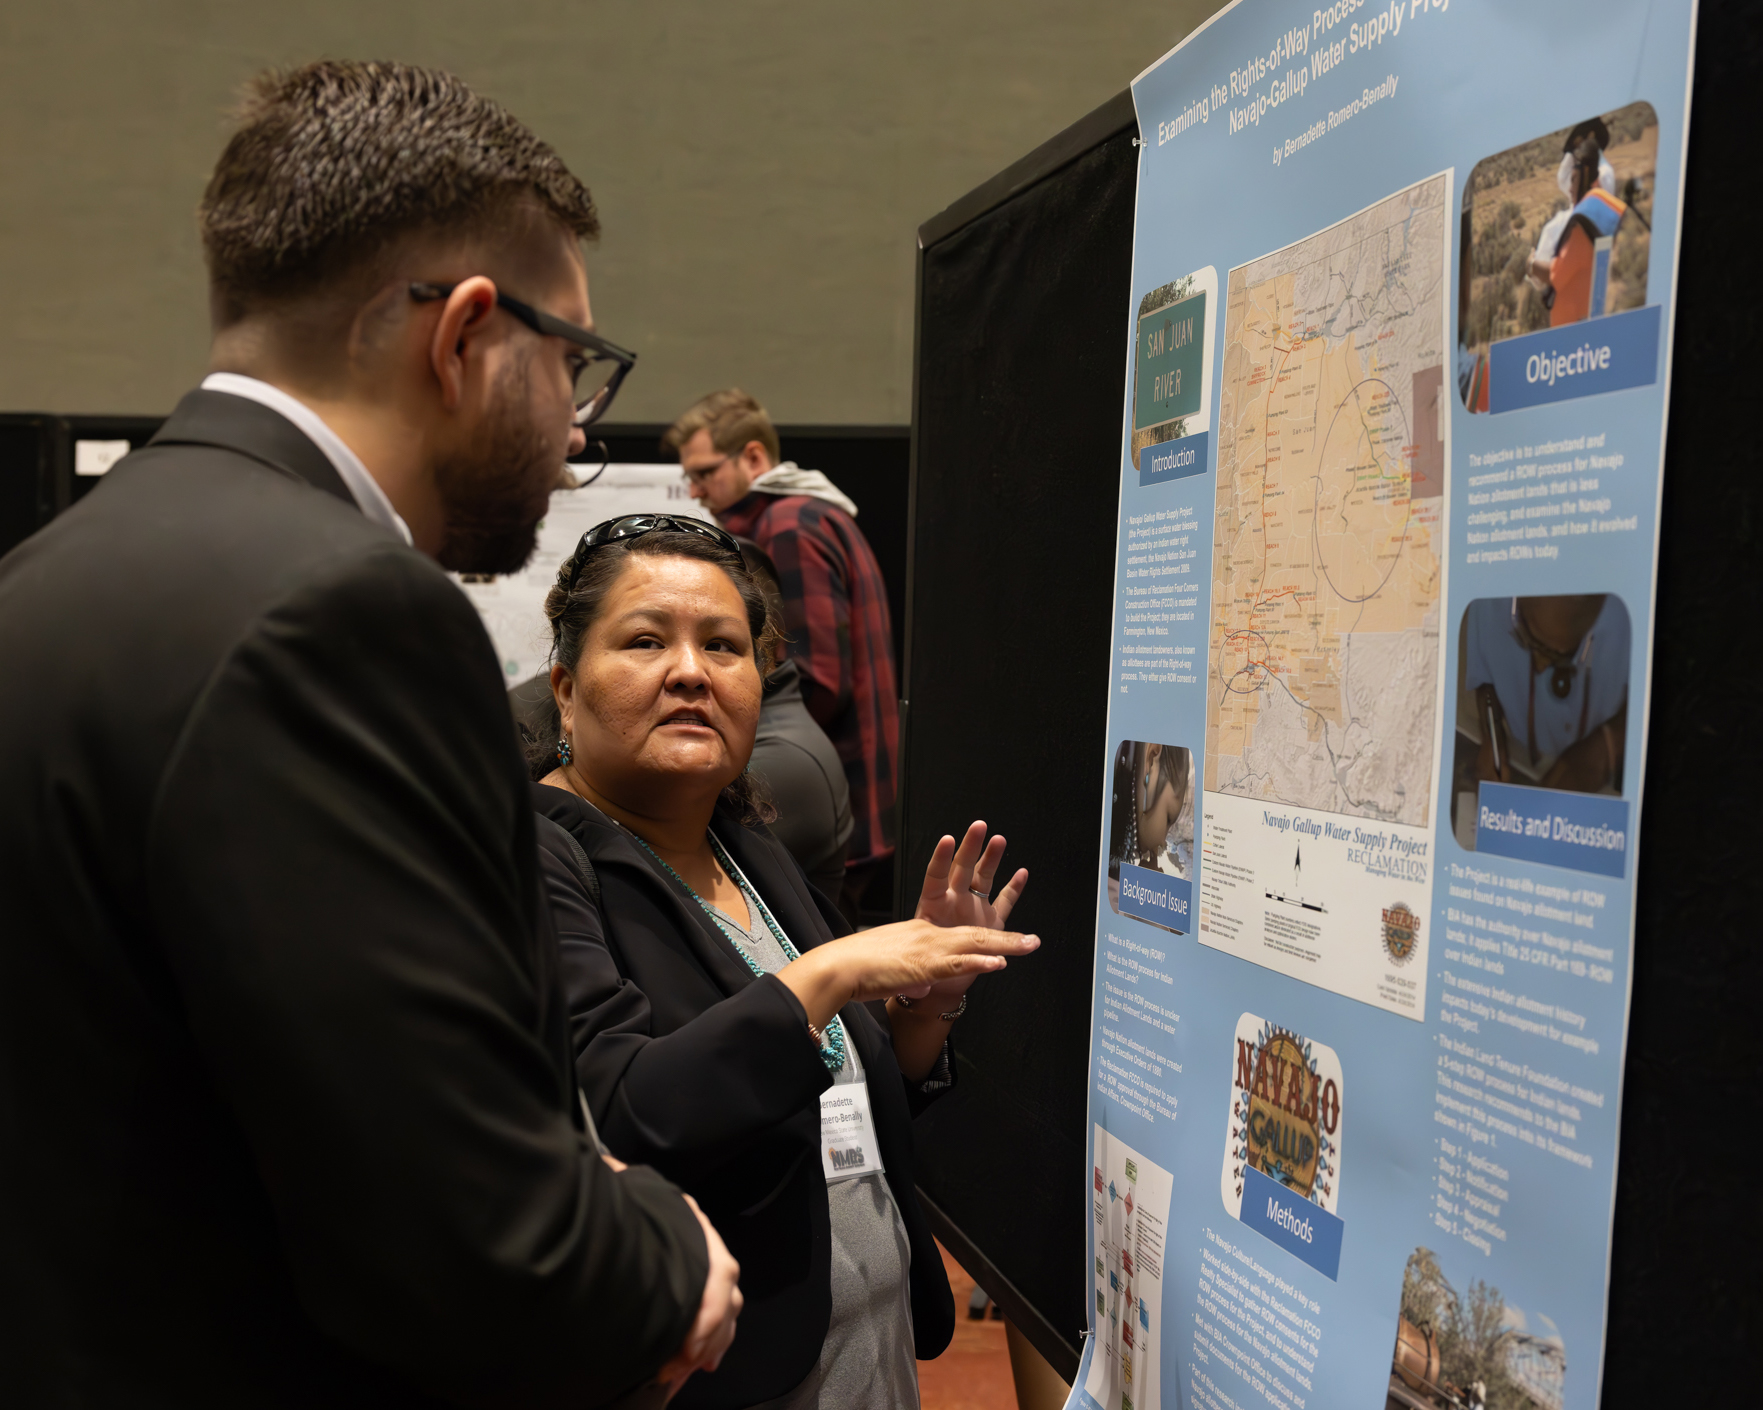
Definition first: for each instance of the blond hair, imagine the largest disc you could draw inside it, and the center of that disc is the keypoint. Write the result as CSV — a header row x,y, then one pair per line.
x,y
732,418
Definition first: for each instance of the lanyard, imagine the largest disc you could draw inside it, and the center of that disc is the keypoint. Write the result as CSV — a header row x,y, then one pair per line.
x,y
832,1049
1530,717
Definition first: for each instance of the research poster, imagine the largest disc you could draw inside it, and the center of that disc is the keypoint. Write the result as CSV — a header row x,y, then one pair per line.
x,y
1397,363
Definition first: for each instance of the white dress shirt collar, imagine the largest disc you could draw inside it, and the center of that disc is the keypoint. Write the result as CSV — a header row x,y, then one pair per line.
x,y
365,489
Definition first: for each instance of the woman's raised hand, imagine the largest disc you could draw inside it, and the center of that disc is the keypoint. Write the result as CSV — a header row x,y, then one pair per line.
x,y
955,936
958,884
920,956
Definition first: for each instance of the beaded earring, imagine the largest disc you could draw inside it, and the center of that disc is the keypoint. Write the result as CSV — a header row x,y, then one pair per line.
x,y
563,752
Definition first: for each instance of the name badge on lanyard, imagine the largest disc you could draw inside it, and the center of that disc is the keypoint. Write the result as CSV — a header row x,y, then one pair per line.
x,y
848,1146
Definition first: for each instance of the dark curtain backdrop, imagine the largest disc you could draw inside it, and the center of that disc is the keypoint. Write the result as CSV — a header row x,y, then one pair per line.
x,y
1021,355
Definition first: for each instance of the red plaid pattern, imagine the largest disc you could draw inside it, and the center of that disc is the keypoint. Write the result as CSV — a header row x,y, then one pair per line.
x,y
839,631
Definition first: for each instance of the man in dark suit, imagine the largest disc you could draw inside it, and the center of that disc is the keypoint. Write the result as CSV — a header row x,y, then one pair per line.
x,y
287,1114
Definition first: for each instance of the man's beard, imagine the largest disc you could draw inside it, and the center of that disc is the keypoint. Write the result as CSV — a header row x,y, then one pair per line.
x,y
496,489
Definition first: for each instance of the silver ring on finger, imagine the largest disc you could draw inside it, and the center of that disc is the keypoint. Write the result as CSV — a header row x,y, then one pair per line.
x,y
985,895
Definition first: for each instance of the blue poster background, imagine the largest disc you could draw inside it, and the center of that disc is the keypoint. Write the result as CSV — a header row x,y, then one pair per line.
x,y
1517,1058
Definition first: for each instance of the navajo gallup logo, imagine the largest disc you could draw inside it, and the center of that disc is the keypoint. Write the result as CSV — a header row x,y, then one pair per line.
x,y
1285,1120
1401,933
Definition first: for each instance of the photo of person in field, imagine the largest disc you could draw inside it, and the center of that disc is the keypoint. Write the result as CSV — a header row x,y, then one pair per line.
x,y
1533,220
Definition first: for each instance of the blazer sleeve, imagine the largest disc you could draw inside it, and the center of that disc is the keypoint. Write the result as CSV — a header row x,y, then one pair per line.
x,y
346,892
944,1073
693,1098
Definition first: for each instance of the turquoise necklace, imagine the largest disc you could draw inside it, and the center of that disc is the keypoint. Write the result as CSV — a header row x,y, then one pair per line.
x,y
832,1047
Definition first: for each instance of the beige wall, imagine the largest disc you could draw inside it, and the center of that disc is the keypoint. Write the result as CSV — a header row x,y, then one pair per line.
x,y
761,168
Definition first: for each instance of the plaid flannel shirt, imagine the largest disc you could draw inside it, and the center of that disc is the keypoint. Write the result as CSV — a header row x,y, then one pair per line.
x,y
839,631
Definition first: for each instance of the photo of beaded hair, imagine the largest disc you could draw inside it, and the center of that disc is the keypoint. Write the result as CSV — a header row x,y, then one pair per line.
x,y
1151,814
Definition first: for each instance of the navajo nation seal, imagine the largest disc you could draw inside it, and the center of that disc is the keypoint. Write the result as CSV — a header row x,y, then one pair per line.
x,y
1401,933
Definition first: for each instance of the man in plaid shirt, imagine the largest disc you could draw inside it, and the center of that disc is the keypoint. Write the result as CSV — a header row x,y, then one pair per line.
x,y
835,604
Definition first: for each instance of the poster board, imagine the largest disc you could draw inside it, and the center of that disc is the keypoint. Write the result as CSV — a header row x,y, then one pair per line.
x,y
1385,579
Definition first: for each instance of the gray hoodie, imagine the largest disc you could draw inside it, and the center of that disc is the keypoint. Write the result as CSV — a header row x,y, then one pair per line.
x,y
791,478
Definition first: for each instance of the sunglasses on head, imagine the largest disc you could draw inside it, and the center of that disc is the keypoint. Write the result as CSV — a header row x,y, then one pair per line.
x,y
633,526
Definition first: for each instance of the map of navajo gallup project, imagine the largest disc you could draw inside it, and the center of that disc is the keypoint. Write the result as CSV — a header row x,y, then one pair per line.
x,y
1326,572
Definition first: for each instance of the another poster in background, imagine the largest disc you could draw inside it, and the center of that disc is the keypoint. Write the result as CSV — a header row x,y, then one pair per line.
x,y
512,605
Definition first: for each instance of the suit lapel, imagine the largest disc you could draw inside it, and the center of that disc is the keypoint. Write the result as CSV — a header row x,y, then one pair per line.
x,y
777,880
250,428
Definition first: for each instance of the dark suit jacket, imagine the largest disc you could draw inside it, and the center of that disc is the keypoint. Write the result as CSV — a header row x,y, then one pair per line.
x,y
287,1114
694,1066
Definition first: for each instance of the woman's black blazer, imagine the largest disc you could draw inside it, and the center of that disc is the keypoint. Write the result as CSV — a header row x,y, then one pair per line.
x,y
692,1065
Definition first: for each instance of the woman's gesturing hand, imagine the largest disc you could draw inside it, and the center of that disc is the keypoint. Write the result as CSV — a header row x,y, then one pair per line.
x,y
906,957
958,884
920,955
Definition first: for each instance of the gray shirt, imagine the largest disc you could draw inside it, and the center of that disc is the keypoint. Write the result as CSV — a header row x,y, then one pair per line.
x,y
867,1360
802,769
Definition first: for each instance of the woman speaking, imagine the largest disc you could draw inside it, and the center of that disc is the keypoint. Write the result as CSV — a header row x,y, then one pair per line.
x,y
720,1029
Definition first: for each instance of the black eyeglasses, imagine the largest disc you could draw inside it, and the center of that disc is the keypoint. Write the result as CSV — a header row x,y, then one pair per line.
x,y
597,377
633,526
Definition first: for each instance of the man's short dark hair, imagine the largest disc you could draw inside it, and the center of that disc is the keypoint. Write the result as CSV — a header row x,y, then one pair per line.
x,y
334,163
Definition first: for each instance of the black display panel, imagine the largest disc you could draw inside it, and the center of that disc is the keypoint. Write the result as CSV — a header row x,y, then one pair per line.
x,y
107,435
1684,1310
1021,353
38,475
41,458
31,452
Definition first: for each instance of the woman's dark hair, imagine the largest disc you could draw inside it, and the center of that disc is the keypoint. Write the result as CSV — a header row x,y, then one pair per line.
x,y
572,612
